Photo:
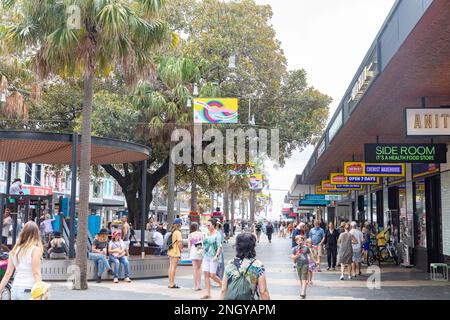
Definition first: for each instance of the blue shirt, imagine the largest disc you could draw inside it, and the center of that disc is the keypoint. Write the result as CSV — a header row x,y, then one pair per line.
x,y
316,235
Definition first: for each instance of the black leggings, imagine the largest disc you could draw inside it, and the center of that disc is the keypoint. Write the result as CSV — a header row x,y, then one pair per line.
x,y
269,236
332,256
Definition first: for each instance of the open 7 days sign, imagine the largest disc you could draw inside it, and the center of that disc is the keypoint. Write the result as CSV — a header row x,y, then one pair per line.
x,y
408,153
374,169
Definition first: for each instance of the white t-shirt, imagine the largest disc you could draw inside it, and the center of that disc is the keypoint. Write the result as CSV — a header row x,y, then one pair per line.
x,y
359,237
158,238
15,188
6,226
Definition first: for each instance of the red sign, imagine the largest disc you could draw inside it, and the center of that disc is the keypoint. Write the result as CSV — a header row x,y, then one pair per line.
x,y
38,191
355,169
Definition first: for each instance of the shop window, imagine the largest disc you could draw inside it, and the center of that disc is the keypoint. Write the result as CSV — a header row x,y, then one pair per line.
x,y
97,189
420,218
28,173
37,174
2,171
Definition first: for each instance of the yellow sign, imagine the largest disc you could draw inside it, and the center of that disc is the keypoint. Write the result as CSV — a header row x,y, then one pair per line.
x,y
358,169
327,186
319,190
216,110
341,179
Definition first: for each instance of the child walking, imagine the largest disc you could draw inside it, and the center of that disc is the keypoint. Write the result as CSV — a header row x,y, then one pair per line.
x,y
313,260
301,255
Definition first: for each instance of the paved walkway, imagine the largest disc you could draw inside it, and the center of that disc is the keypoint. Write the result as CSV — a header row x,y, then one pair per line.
x,y
396,282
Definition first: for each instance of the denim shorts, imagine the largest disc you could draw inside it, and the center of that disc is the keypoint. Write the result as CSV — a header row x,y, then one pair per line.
x,y
20,293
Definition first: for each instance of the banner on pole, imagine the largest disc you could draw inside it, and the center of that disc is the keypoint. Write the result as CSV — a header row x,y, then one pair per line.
x,y
216,110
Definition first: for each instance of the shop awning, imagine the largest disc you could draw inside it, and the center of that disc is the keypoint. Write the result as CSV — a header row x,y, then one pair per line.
x,y
56,148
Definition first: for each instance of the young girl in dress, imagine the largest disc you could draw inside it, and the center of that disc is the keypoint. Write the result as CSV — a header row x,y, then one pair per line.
x,y
312,261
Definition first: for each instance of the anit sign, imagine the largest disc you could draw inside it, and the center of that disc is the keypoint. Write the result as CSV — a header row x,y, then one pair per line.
x,y
405,153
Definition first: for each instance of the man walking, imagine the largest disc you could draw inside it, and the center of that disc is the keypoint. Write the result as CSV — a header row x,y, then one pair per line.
x,y
269,231
357,252
317,235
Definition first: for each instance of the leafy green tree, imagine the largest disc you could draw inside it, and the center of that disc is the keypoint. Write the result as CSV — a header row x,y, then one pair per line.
x,y
112,34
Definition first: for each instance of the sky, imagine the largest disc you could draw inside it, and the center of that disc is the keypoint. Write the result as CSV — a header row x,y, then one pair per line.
x,y
329,39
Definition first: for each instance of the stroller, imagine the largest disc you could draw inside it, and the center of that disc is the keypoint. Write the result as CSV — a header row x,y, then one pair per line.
x,y
4,255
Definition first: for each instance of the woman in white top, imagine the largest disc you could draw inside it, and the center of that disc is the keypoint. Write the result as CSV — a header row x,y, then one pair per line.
x,y
25,259
195,254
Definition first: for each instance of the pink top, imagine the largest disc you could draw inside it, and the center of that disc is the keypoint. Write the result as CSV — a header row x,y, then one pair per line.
x,y
194,239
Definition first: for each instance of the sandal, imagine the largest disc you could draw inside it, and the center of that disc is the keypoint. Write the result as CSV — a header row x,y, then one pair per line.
x,y
174,287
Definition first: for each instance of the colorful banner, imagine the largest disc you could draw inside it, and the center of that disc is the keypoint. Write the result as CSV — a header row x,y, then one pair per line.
x,y
256,181
374,169
216,110
327,185
340,178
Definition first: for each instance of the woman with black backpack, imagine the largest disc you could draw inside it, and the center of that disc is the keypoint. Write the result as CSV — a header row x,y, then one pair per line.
x,y
244,277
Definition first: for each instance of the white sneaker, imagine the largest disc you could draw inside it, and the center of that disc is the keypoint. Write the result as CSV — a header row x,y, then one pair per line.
x,y
349,277
116,280
127,280
342,277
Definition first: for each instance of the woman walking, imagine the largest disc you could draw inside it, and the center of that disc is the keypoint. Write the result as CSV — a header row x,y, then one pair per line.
x,y
345,254
212,247
221,262
174,251
245,264
195,254
25,260
331,240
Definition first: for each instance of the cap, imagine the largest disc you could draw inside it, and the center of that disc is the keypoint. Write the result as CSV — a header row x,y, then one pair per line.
x,y
38,289
103,231
177,221
56,234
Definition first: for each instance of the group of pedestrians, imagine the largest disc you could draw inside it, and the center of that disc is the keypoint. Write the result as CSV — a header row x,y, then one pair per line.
x,y
205,251
345,247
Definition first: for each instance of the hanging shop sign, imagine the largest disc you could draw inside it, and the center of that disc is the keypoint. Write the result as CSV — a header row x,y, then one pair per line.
x,y
319,190
216,110
408,153
327,185
314,203
340,178
256,181
427,121
425,169
374,169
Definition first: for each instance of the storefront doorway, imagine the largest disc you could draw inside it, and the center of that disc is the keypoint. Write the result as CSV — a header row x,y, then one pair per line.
x,y
433,218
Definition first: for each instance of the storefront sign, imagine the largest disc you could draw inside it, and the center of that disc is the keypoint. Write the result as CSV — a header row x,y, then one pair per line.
x,y
326,185
374,169
427,122
37,191
340,178
318,203
319,190
408,153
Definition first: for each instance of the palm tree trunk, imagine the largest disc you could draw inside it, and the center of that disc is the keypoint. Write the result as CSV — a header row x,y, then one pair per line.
x,y
194,194
232,213
171,189
85,173
226,204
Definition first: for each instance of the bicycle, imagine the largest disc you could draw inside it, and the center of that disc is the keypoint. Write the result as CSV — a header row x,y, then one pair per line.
x,y
388,252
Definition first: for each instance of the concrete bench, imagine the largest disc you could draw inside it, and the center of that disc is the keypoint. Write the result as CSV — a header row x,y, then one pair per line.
x,y
149,267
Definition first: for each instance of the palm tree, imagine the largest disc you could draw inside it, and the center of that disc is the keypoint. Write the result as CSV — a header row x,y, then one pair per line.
x,y
112,35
